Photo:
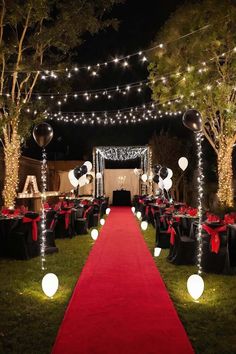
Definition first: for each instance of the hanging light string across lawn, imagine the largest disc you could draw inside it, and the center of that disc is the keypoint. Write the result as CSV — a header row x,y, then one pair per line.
x,y
123,59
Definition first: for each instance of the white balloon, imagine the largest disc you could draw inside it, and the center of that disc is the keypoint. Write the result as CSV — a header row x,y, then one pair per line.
x,y
133,209
161,183
89,165
98,175
144,225
50,284
102,221
183,163
167,183
195,286
144,177
94,234
170,173
138,214
82,181
74,181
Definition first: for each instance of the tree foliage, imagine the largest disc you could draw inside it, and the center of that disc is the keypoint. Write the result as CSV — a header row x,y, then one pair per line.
x,y
199,70
37,35
203,65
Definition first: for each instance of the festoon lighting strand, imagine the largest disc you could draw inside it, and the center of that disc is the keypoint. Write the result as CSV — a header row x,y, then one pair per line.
x,y
93,69
43,215
200,178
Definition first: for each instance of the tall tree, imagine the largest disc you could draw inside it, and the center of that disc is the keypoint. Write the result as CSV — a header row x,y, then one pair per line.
x,y
199,71
36,35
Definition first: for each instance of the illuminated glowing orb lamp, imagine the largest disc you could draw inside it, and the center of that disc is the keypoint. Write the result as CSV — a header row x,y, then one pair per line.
x,y
102,221
94,234
50,284
157,251
144,225
133,209
108,211
138,214
195,286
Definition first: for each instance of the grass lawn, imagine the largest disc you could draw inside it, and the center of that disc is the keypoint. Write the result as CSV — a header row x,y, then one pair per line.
x,y
29,321
211,322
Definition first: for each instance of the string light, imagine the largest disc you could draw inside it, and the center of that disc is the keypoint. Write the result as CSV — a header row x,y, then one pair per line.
x,y
117,153
12,155
52,73
200,178
43,199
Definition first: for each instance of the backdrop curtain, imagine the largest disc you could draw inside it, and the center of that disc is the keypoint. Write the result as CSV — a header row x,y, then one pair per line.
x,y
111,182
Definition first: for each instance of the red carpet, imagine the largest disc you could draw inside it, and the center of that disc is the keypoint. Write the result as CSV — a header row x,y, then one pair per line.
x,y
120,304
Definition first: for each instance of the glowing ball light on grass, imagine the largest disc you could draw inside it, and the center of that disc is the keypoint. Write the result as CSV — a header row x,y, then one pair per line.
x,y
94,234
50,284
102,221
157,251
138,214
144,225
195,286
108,210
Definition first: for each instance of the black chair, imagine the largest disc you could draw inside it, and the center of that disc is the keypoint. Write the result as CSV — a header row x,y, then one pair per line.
x,y
51,222
215,262
63,226
183,251
23,243
162,232
82,223
95,216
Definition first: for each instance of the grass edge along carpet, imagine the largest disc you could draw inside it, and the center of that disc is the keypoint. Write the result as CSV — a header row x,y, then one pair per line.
x,y
120,304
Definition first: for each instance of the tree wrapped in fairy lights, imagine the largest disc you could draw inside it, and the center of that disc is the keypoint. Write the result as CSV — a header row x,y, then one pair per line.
x,y
200,70
36,39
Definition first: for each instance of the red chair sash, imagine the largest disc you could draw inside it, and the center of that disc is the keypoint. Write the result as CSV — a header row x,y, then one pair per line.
x,y
86,212
67,217
172,232
215,238
34,226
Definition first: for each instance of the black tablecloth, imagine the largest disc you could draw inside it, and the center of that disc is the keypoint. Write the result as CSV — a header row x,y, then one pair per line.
x,y
121,198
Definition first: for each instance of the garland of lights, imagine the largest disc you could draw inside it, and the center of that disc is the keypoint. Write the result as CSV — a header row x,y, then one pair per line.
x,y
117,153
200,179
43,216
123,61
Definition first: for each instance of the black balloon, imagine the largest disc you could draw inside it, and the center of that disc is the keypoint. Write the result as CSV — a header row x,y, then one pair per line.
x,y
156,179
163,172
192,120
43,134
80,171
157,168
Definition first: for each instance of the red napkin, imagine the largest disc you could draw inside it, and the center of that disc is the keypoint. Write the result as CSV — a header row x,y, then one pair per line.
x,y
192,211
228,219
213,218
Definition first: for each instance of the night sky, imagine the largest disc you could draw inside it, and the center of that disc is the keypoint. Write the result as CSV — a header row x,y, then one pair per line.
x,y
139,24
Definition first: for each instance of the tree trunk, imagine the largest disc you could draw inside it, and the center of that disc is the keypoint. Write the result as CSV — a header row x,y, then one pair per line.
x,y
11,159
225,175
